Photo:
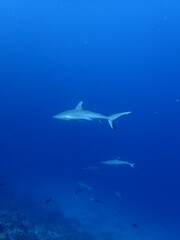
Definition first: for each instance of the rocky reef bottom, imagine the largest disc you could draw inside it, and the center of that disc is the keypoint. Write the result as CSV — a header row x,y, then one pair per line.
x,y
25,219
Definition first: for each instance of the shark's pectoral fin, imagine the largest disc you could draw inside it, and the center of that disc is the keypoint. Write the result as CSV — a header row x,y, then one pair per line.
x,y
88,119
85,119
79,106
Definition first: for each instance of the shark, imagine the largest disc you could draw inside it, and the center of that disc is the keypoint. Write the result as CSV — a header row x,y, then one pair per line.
x,y
81,187
78,113
85,186
117,161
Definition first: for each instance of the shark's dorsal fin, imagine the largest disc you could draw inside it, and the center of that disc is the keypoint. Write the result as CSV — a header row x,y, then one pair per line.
x,y
79,106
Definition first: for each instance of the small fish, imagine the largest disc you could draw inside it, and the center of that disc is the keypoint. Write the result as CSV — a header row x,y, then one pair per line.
x,y
48,200
117,161
117,193
79,189
135,225
96,200
91,168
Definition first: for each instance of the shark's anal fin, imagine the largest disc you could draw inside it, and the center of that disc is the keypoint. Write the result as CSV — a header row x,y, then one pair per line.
x,y
79,106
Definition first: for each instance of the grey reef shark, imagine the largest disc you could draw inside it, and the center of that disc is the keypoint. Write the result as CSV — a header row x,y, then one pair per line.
x,y
79,114
117,161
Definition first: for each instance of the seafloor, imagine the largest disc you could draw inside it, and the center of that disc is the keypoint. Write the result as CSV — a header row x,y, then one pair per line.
x,y
23,219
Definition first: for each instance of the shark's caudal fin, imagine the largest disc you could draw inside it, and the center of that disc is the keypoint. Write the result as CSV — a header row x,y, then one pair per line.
x,y
132,165
79,106
113,117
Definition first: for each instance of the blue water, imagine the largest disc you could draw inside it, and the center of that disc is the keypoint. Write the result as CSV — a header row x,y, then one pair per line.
x,y
115,56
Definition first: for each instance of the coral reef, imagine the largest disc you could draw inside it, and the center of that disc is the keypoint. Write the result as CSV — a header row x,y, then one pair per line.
x,y
22,219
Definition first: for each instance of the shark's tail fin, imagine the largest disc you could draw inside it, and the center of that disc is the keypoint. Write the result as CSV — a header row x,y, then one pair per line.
x,y
133,165
113,117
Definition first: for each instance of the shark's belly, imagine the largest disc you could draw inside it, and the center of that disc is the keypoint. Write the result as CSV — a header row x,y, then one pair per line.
x,y
69,117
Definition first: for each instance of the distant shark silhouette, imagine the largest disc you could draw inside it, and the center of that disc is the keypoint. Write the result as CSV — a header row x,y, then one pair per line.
x,y
79,114
117,161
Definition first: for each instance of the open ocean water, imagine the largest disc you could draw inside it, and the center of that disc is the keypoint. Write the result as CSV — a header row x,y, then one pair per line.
x,y
115,56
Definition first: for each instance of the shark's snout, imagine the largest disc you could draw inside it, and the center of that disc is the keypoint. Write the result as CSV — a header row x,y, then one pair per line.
x,y
60,117
56,116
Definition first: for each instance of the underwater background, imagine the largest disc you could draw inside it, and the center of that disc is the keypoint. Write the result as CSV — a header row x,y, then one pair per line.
x,y
115,56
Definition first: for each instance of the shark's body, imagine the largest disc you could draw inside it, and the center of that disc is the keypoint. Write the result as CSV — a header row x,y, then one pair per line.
x,y
117,161
79,114
81,187
85,186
